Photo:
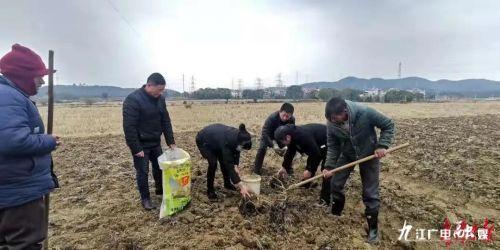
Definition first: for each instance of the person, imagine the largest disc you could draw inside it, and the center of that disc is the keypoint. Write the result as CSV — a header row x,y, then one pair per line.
x,y
351,136
309,139
145,119
218,142
25,152
281,117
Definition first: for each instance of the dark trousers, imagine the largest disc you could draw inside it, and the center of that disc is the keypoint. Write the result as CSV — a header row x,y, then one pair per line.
x,y
369,172
141,165
259,158
23,226
325,185
212,158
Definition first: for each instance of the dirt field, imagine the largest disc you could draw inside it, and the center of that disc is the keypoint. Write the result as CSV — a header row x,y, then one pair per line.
x,y
450,170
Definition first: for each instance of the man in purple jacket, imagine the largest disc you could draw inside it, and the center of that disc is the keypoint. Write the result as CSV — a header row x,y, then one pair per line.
x,y
25,160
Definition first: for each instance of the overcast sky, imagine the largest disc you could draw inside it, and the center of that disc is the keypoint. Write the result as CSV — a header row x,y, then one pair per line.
x,y
120,42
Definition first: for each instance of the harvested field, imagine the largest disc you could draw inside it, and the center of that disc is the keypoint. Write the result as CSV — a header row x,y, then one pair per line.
x,y
450,170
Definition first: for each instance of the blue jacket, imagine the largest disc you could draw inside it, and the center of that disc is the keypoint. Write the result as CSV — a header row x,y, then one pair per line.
x,y
24,149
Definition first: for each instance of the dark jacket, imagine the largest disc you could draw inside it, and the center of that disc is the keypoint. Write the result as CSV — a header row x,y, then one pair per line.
x,y
222,140
145,118
24,149
271,124
361,141
309,139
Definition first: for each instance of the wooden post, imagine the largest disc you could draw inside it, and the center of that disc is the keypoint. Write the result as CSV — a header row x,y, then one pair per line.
x,y
50,126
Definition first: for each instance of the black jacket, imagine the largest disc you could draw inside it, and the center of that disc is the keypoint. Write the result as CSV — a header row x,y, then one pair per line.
x,y
222,140
309,139
145,118
271,124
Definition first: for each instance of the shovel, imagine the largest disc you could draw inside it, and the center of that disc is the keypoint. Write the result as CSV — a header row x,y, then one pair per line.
x,y
352,164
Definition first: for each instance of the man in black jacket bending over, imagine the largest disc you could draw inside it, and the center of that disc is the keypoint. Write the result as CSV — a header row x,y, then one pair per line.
x,y
309,139
145,118
282,117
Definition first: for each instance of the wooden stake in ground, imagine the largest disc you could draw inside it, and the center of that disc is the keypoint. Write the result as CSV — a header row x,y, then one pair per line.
x,y
349,165
50,125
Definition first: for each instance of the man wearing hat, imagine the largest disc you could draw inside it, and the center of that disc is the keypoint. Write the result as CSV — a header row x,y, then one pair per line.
x,y
25,160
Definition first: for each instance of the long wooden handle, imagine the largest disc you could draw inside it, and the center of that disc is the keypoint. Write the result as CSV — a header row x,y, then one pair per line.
x,y
50,126
352,164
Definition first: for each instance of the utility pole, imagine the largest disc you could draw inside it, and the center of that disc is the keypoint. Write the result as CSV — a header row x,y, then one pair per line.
x,y
296,77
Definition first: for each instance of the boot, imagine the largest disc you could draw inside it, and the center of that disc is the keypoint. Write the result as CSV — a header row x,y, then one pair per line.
x,y
147,204
372,219
159,191
337,205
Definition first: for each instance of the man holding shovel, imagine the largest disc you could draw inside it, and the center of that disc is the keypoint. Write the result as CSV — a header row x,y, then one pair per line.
x,y
351,136
25,160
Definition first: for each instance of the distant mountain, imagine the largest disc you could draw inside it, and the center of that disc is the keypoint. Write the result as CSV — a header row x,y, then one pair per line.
x,y
469,87
76,92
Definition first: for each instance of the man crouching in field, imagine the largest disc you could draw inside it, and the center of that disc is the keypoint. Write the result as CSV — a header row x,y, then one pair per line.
x,y
279,118
145,118
25,161
350,137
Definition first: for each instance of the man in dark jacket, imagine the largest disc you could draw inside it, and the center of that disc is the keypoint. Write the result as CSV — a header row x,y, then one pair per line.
x,y
145,119
351,136
282,117
218,142
25,160
309,139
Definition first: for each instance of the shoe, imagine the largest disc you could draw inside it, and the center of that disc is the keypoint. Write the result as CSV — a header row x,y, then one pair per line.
x,y
159,191
212,196
147,204
372,220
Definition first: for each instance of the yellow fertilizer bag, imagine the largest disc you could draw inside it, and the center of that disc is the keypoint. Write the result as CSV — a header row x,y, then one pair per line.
x,y
176,171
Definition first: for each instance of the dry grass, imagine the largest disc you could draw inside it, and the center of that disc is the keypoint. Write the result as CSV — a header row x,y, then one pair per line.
x,y
83,121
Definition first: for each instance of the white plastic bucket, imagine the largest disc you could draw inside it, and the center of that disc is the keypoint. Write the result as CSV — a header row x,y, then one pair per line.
x,y
253,183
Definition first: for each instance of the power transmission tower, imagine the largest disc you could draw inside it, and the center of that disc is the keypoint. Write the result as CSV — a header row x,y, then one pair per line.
x,y
279,81
399,71
193,86
258,83
240,84
183,85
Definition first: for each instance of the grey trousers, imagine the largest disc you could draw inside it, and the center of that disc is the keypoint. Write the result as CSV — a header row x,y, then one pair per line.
x,y
24,226
369,172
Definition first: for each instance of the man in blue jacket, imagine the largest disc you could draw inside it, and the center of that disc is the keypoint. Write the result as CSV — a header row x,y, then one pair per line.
x,y
25,160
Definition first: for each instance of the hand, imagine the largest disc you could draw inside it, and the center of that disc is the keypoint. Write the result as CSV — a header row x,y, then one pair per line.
x,y
282,173
244,191
237,169
140,154
306,174
327,174
172,146
58,140
379,153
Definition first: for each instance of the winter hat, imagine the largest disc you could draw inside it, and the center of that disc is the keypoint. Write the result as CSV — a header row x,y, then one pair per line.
x,y
21,66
